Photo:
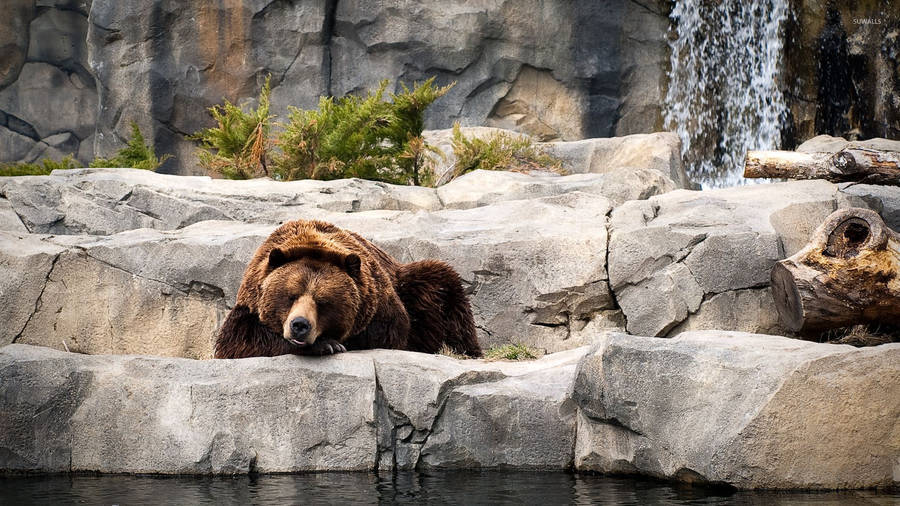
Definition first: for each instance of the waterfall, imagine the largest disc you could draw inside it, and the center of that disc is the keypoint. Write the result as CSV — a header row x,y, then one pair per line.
x,y
724,96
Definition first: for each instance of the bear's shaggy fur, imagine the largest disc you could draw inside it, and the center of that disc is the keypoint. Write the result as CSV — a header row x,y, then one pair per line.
x,y
314,289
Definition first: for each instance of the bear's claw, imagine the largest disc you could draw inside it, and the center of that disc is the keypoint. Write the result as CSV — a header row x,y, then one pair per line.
x,y
328,347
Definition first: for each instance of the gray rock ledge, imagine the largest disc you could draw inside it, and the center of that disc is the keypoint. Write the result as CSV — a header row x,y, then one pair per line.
x,y
746,410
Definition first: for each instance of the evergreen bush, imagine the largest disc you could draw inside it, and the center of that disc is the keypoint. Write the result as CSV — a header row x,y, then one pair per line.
x,y
237,146
36,169
137,154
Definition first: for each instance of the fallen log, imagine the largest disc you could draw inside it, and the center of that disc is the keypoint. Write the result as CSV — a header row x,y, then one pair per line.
x,y
862,165
849,273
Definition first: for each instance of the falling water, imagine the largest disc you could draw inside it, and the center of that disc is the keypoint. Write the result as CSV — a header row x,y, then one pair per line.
x,y
724,95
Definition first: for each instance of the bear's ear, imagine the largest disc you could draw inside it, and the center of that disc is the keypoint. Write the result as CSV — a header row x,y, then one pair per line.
x,y
277,258
352,265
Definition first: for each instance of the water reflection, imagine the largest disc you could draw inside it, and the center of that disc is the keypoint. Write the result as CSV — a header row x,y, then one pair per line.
x,y
447,487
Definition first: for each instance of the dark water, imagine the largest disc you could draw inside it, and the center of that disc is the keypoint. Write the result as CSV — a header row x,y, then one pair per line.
x,y
544,489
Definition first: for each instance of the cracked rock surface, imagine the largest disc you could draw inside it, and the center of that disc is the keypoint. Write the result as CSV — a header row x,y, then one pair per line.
x,y
748,410
144,263
702,260
355,411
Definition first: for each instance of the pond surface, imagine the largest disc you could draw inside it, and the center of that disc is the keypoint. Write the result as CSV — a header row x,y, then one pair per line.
x,y
446,487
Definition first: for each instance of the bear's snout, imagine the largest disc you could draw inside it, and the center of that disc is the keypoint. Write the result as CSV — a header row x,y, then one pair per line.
x,y
300,328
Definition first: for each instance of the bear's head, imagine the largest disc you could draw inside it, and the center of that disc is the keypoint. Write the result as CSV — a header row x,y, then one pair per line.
x,y
310,293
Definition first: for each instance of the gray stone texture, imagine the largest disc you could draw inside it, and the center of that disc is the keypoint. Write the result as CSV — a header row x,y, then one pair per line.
x,y
520,65
356,411
146,251
702,260
160,257
746,410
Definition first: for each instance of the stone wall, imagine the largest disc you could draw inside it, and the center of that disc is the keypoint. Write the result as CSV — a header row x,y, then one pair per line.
x,y
76,73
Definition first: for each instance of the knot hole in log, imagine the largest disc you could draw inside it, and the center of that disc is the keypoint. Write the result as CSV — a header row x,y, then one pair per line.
x,y
848,238
844,163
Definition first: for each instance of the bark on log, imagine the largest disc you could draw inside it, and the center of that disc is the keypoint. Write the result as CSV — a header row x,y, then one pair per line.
x,y
848,274
861,165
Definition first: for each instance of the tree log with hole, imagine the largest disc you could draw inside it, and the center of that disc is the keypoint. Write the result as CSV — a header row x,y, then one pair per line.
x,y
848,274
861,165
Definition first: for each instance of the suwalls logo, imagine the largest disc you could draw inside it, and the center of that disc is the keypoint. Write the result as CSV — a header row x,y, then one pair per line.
x,y
866,21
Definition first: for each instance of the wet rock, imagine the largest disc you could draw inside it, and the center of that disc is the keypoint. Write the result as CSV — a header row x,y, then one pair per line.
x,y
746,410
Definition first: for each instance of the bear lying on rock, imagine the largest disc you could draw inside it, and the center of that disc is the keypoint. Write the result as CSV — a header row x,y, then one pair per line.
x,y
315,289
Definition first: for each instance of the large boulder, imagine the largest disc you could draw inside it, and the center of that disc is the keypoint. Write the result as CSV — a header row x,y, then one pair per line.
x,y
746,410
702,260
659,151
437,412
108,201
535,269
356,411
131,414
620,158
483,187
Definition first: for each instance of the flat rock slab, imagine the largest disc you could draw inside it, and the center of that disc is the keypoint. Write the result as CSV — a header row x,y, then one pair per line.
x,y
747,410
356,411
535,271
108,201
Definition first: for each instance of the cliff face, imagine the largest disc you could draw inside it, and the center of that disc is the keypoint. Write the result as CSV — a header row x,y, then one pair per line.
x,y
76,73
843,69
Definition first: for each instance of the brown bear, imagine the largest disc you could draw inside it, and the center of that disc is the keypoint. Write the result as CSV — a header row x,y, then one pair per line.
x,y
315,289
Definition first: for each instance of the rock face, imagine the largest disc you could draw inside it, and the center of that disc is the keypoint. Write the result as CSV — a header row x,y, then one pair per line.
x,y
547,260
46,87
358,411
688,260
746,410
142,250
842,63
163,63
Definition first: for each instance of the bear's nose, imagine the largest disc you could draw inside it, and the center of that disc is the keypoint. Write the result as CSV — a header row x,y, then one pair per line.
x,y
300,327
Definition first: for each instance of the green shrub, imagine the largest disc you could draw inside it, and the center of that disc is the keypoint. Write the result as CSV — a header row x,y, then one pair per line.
x,y
236,148
360,136
352,136
515,351
34,169
137,154
500,151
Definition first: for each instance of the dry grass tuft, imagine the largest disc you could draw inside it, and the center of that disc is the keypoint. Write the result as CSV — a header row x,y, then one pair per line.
x,y
862,335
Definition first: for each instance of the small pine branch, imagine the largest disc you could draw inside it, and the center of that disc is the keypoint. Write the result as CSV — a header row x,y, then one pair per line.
x,y
136,154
